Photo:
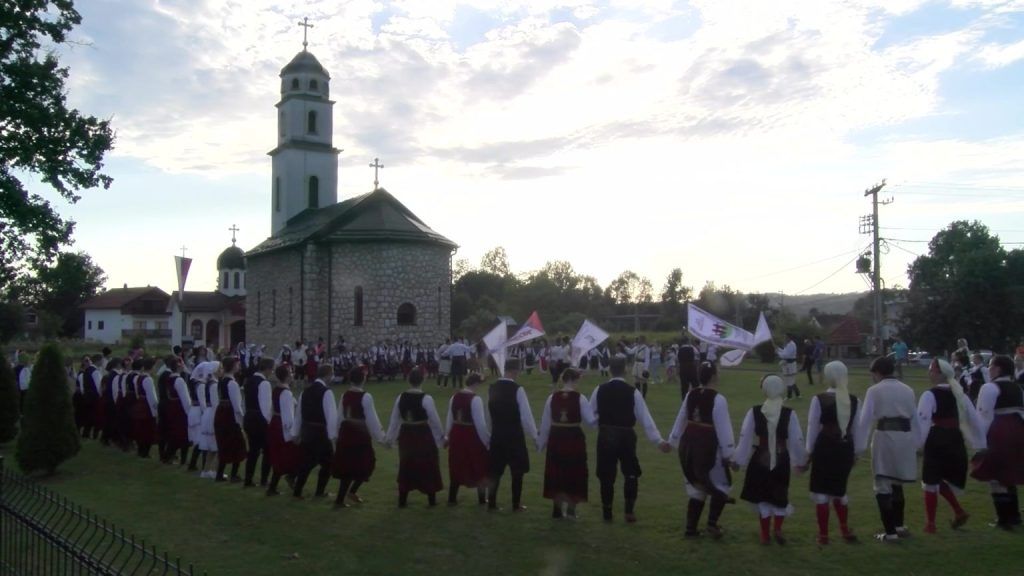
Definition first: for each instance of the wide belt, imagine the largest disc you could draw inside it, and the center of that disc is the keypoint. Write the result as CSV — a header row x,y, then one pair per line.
x,y
893,424
951,423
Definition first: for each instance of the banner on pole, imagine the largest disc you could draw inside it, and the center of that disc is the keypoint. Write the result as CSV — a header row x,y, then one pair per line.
x,y
181,266
496,342
589,337
714,330
530,329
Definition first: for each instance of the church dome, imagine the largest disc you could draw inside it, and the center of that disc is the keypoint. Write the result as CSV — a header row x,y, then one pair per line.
x,y
304,63
231,259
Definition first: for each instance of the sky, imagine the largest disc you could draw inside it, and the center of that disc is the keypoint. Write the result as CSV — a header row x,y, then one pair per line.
x,y
733,140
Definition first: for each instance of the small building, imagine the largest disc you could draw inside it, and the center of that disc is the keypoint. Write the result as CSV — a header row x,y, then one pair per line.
x,y
845,340
119,315
214,319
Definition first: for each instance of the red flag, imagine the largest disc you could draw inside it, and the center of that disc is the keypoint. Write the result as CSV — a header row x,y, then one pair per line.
x,y
181,266
530,329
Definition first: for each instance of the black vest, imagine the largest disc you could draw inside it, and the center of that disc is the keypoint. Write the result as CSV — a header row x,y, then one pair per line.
x,y
700,404
128,385
251,392
1011,394
222,389
504,408
829,417
312,405
616,404
164,386
410,407
88,385
781,428
945,403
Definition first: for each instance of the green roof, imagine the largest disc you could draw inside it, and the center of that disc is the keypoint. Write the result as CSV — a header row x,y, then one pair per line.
x,y
373,217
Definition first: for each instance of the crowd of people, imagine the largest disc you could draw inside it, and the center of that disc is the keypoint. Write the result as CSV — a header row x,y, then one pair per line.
x,y
212,416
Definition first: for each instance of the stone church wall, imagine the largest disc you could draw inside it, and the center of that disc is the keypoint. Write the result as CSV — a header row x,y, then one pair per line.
x,y
272,300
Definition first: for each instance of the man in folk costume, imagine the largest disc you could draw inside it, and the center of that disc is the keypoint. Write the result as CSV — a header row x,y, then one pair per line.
x,y
146,408
416,427
703,434
511,423
891,409
285,455
106,418
227,421
948,419
830,427
90,387
977,376
125,403
1001,411
771,443
317,422
459,353
618,407
787,365
561,432
258,411
468,442
175,404
354,458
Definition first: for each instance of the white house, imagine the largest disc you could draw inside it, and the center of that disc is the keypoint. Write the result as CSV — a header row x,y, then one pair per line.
x,y
118,315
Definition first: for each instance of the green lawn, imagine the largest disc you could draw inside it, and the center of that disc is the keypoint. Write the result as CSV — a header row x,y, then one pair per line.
x,y
224,529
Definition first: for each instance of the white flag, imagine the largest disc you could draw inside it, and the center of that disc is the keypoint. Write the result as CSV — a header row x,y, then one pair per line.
x,y
732,358
714,330
495,340
588,338
530,329
763,333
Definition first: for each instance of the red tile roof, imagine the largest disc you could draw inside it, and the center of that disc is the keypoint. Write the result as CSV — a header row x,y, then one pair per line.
x,y
846,332
118,298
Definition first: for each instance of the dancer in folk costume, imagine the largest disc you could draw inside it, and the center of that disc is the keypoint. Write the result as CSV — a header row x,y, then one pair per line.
x,y
891,409
830,428
511,424
258,411
145,408
468,442
175,403
285,455
948,420
197,392
561,432
354,458
416,427
317,421
703,434
787,365
208,402
90,387
227,421
771,444
1001,410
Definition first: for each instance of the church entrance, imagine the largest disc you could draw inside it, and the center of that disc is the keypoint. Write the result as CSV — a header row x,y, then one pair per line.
x,y
237,333
213,334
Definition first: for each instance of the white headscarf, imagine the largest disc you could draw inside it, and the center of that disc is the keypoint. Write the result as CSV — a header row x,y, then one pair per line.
x,y
963,404
774,391
204,370
837,375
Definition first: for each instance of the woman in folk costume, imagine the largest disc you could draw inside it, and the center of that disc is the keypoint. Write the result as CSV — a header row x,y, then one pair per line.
x,y
196,387
703,433
145,410
771,443
416,427
227,422
947,419
284,356
830,444
208,401
561,432
468,442
285,455
354,458
1001,409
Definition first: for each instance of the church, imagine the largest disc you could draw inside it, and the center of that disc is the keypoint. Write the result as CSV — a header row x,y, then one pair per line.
x,y
365,269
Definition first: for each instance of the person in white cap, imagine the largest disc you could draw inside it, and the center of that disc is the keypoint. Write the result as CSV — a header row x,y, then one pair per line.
x,y
771,443
830,427
891,409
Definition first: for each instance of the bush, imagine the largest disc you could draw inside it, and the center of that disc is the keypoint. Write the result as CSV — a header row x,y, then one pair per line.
x,y
8,402
48,434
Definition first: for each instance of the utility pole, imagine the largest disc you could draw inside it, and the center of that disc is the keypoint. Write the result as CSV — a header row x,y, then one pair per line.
x,y
876,274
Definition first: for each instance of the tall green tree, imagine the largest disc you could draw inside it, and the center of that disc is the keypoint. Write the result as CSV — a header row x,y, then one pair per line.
x,y
961,288
61,288
8,402
629,288
495,261
48,435
41,134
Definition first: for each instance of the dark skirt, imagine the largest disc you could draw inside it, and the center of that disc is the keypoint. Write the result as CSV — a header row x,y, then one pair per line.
x,y
418,464
595,362
467,458
1004,461
458,366
831,463
565,465
176,426
945,457
698,454
508,452
764,485
354,458
285,457
231,447
123,420
143,424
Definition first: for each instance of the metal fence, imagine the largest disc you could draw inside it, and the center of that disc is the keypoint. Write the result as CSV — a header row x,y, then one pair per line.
x,y
43,534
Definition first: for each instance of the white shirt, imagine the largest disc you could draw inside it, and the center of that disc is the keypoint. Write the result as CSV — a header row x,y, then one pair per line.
x,y
330,408
787,352
181,388
794,441
373,425
151,399
286,405
586,416
458,349
433,420
266,399
237,404
24,377
476,408
720,418
987,398
81,381
640,412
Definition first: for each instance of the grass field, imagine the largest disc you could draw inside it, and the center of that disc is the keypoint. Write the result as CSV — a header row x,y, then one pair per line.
x,y
225,529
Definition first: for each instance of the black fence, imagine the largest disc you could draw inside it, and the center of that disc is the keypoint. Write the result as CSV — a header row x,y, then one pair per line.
x,y
43,534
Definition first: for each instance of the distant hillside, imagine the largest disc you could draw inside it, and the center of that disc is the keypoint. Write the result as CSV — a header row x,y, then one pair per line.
x,y
825,303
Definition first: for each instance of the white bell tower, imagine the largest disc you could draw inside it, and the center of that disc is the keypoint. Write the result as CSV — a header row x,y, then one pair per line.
x,y
305,162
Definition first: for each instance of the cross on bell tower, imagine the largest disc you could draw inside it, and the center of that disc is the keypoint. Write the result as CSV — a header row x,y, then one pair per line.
x,y
233,229
305,28
376,165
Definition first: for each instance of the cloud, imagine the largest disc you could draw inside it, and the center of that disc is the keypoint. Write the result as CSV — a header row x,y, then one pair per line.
x,y
1001,55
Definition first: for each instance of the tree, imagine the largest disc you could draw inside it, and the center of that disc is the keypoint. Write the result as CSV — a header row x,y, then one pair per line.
x,y
674,292
41,135
961,288
495,262
8,402
62,288
49,436
12,321
460,269
629,288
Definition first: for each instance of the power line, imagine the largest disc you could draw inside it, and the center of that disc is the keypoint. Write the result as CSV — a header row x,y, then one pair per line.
x,y
847,253
957,186
823,280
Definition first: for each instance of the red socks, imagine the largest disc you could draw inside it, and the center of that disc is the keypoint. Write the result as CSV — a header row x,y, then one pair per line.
x,y
842,512
950,497
931,502
765,526
778,523
822,512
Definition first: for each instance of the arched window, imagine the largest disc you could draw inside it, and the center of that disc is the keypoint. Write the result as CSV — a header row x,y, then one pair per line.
x,y
196,330
238,280
295,83
311,122
225,284
313,85
357,313
277,194
280,123
314,192
407,315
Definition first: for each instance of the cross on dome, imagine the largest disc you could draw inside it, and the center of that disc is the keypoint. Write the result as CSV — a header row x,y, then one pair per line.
x,y
305,28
